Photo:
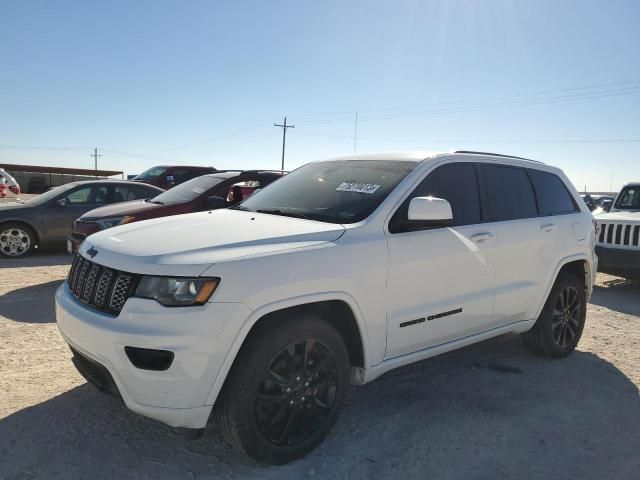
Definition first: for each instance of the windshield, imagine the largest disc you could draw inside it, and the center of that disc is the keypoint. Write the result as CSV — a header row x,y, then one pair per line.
x,y
629,199
187,191
50,194
151,173
346,191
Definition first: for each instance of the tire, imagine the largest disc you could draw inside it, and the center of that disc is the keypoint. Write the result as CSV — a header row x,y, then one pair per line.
x,y
17,240
258,415
559,327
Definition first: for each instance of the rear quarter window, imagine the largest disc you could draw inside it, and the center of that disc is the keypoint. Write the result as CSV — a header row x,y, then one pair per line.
x,y
553,196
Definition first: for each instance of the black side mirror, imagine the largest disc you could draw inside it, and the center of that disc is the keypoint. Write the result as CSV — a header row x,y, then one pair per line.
x,y
213,203
61,202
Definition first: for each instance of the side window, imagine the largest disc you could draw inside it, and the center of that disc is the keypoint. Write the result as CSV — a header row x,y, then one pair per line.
x,y
239,191
90,195
553,196
122,193
458,184
510,193
140,193
181,175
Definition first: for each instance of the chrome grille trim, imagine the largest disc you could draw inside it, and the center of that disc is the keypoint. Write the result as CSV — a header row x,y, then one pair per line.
x,y
100,287
617,234
104,284
90,283
120,292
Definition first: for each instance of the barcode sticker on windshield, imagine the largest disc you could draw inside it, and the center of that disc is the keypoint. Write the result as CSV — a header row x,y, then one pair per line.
x,y
357,187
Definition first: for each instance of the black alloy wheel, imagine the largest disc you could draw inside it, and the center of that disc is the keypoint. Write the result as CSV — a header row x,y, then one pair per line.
x,y
559,327
565,325
296,393
286,388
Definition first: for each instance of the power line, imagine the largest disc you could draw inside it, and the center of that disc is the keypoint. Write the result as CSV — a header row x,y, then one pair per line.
x,y
284,127
467,108
472,100
423,140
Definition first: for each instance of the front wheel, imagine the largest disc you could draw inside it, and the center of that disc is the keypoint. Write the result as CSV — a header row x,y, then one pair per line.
x,y
560,325
286,389
16,240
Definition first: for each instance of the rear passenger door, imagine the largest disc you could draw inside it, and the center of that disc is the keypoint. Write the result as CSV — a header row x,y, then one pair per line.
x,y
530,239
440,279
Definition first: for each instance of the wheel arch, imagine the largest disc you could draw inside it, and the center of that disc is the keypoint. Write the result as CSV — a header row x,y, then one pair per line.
x,y
579,265
345,317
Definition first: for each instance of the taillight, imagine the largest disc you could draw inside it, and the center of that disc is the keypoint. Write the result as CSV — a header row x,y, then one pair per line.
x,y
15,189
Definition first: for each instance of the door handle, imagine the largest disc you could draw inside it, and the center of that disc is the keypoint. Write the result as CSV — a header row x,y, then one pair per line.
x,y
549,227
481,237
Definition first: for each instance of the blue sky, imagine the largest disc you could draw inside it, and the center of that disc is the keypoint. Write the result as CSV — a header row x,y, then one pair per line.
x,y
202,82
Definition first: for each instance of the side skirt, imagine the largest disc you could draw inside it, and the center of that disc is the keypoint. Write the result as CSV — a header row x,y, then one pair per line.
x,y
361,376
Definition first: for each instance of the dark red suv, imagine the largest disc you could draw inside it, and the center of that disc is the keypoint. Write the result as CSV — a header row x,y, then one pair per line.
x,y
167,176
222,189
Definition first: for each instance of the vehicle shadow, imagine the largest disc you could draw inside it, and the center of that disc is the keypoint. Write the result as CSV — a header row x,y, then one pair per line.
x,y
40,301
621,297
485,412
39,259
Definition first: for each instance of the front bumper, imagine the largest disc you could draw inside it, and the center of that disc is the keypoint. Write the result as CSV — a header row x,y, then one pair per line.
x,y
618,261
200,338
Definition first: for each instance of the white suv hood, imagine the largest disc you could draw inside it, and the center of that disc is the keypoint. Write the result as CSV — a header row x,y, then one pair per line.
x,y
618,216
186,245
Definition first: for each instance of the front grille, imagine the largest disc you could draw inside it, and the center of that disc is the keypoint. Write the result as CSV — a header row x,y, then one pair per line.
x,y
99,287
619,235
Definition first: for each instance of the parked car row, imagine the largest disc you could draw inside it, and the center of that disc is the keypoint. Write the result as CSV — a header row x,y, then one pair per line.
x,y
263,313
66,215
208,192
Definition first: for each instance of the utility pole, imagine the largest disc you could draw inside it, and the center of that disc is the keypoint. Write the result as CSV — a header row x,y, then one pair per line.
x,y
95,156
284,135
355,134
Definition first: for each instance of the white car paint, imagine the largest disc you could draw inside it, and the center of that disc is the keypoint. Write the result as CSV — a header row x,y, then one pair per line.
x,y
499,274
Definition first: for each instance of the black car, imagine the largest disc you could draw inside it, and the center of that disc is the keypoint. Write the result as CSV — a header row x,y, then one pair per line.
x,y
46,220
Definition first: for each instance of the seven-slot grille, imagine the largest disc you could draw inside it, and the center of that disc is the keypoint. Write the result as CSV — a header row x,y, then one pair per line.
x,y
100,287
619,235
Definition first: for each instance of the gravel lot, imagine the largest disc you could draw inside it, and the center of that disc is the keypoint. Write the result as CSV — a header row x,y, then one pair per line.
x,y
488,411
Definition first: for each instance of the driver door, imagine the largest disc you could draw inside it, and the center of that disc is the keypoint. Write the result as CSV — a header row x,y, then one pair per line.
x,y
440,279
57,220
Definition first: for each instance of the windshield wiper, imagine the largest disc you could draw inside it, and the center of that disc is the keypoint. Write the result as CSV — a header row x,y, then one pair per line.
x,y
156,202
284,213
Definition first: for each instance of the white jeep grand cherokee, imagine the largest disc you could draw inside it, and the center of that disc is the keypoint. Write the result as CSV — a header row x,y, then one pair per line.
x,y
335,274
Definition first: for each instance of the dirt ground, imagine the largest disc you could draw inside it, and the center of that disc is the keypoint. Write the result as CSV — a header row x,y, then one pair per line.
x,y
490,411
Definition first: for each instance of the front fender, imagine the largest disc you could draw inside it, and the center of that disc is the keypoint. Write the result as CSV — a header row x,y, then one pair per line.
x,y
259,313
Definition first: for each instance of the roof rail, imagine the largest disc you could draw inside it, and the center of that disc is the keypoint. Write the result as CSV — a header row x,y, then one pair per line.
x,y
495,155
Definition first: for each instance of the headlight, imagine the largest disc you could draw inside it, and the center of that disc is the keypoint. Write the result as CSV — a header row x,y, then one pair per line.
x,y
113,221
177,292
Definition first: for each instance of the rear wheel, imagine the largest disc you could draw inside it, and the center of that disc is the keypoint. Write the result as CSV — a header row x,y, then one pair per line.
x,y
560,325
16,240
286,389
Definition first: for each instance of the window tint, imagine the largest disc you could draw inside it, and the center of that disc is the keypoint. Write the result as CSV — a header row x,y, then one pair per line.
x,y
553,196
90,195
457,183
510,193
